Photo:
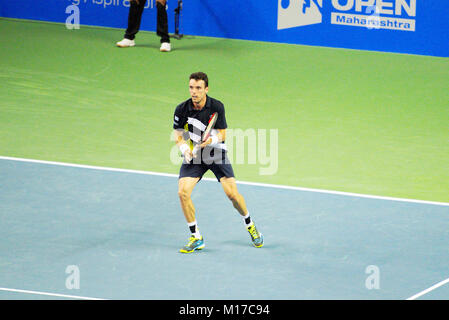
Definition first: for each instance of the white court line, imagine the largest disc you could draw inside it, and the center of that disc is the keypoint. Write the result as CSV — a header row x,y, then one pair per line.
x,y
419,294
49,294
276,186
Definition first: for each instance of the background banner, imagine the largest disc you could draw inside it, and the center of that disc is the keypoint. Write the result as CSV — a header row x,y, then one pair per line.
x,y
403,26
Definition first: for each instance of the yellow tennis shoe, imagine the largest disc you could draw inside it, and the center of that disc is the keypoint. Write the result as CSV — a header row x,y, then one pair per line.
x,y
256,236
193,244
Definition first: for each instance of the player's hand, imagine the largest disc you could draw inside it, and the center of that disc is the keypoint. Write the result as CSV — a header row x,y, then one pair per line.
x,y
186,152
210,140
188,156
196,150
206,143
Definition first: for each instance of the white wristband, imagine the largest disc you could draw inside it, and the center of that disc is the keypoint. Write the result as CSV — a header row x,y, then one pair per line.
x,y
214,140
184,147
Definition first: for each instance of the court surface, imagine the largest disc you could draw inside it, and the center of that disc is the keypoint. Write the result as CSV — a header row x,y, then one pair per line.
x,y
123,230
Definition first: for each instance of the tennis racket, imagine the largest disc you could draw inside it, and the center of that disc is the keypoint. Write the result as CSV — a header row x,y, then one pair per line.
x,y
210,126
206,133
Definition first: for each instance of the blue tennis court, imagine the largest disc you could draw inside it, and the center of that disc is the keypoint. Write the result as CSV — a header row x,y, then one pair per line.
x,y
122,231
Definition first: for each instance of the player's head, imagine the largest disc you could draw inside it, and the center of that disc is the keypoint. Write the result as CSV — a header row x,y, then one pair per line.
x,y
200,76
198,88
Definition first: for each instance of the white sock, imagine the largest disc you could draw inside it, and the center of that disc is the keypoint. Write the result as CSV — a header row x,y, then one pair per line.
x,y
247,220
194,229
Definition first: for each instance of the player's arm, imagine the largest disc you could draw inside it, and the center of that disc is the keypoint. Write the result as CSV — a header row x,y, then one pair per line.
x,y
179,137
220,137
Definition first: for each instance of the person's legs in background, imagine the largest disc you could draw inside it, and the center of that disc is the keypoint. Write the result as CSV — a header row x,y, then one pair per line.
x,y
162,25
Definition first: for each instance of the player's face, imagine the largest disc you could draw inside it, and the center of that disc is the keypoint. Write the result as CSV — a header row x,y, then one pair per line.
x,y
198,91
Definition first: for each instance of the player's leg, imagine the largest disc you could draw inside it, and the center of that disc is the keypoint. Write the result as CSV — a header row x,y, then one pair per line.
x,y
223,171
189,176
162,25
185,188
134,19
230,188
225,175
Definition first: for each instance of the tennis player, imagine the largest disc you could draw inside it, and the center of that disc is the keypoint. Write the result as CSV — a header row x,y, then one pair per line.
x,y
190,121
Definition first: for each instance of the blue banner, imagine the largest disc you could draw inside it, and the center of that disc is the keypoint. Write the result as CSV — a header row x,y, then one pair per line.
x,y
402,26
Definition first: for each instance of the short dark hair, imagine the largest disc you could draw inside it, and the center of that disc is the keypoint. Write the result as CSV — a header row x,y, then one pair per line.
x,y
200,76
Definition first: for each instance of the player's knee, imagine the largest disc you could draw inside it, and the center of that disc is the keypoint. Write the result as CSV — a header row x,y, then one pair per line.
x,y
163,2
232,195
183,194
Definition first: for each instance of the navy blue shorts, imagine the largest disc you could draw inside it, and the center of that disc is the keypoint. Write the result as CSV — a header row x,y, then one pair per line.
x,y
198,170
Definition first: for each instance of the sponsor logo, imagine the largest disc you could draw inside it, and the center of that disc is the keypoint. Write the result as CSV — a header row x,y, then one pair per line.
x,y
297,13
371,14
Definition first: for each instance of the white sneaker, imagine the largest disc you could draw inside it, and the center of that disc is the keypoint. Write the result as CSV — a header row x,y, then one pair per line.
x,y
126,43
165,47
